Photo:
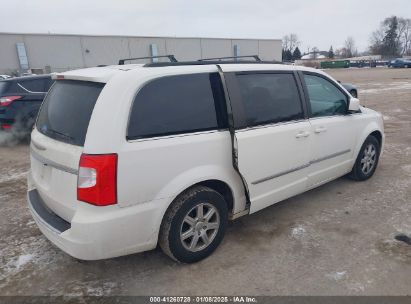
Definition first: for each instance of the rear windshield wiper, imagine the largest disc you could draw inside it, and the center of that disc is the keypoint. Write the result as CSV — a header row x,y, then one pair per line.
x,y
63,135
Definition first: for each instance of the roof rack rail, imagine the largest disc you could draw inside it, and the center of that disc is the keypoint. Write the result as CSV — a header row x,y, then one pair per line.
x,y
170,57
256,57
183,63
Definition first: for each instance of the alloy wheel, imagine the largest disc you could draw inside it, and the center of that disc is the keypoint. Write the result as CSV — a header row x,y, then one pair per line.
x,y
368,159
200,226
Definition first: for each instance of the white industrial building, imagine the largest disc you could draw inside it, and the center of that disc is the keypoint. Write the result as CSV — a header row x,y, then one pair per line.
x,y
43,53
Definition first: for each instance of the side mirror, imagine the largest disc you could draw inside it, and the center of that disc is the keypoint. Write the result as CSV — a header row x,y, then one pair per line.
x,y
354,105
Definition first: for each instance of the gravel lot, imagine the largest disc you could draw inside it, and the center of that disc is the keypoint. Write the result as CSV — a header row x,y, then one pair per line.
x,y
335,240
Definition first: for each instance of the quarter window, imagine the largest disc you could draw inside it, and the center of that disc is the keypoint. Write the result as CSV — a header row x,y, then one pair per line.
x,y
325,98
270,98
175,105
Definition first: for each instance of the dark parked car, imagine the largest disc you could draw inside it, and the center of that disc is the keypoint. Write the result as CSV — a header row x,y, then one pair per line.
x,y
400,63
20,100
351,88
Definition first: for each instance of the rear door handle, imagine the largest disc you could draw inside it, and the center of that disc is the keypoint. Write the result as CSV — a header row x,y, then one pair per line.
x,y
302,134
320,130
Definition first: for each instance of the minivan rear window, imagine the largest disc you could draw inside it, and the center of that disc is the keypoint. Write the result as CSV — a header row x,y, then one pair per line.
x,y
66,110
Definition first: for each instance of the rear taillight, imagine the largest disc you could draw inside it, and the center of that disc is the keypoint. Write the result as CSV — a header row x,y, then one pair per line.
x,y
7,100
5,126
97,179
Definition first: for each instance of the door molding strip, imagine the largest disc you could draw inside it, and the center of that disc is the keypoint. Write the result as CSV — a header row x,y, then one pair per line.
x,y
315,161
318,160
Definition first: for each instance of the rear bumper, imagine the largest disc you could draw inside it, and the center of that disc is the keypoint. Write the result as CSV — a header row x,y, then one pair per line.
x,y
6,124
96,233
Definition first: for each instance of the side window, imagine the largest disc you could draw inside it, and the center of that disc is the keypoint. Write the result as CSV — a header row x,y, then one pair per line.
x,y
325,98
269,98
176,104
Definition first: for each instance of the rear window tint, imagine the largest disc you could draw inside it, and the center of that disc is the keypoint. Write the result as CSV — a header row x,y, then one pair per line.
x,y
66,111
175,105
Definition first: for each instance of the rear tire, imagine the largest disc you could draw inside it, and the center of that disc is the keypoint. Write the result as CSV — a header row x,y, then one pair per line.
x,y
367,160
194,225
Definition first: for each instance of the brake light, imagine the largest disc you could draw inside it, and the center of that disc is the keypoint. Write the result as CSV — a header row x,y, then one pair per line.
x,y
5,126
7,100
97,179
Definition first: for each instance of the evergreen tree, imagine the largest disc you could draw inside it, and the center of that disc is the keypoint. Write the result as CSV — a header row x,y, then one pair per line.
x,y
390,42
296,54
331,53
288,55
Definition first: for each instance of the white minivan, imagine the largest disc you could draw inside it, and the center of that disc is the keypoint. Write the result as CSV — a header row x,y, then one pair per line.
x,y
127,157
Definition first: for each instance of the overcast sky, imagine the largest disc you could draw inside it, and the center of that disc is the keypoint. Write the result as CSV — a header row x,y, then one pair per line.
x,y
318,23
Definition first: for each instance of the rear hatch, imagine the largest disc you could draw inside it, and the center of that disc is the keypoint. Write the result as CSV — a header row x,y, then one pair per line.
x,y
58,141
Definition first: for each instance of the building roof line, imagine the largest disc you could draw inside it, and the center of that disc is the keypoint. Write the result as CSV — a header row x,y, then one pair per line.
x,y
136,36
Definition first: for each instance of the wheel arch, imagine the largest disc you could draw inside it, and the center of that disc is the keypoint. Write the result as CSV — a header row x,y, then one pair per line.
x,y
378,135
221,187
218,185
226,182
374,130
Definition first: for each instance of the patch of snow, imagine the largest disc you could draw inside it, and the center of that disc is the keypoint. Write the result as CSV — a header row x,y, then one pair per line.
x,y
11,175
30,223
407,169
102,290
23,260
20,253
392,87
356,287
298,232
337,276
14,265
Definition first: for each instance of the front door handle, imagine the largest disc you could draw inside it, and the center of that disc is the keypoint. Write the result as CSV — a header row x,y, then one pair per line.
x,y
302,134
320,130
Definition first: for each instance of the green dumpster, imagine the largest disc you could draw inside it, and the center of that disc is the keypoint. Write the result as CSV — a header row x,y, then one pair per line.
x,y
335,64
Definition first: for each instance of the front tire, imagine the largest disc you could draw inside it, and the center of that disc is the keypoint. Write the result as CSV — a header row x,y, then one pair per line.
x,y
367,160
194,225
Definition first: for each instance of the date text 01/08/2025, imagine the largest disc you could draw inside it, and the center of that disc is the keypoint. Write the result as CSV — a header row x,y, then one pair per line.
x,y
205,299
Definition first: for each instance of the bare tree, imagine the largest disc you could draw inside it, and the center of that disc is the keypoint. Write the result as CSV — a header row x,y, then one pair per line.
x,y
404,35
377,41
290,42
349,46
